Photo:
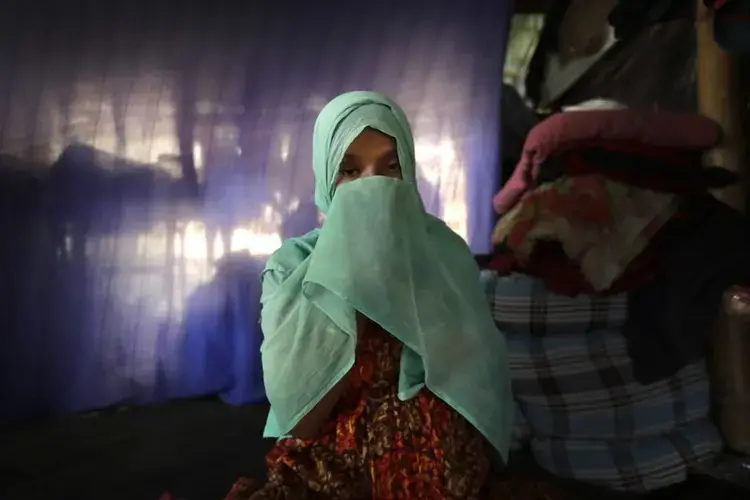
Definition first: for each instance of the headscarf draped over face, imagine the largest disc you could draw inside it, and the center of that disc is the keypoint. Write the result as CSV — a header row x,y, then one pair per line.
x,y
380,254
340,122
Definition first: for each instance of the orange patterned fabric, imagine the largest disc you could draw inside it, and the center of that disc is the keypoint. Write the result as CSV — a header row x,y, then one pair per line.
x,y
379,446
601,225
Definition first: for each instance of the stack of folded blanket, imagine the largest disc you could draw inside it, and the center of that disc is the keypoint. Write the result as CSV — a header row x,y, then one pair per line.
x,y
609,262
580,409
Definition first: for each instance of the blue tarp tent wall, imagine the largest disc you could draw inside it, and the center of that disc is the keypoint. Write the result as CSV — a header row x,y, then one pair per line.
x,y
151,159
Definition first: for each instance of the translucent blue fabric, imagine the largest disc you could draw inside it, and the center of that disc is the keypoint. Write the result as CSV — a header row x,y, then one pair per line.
x,y
194,142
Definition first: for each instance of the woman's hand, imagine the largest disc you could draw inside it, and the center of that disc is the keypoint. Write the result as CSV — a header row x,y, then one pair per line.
x,y
312,423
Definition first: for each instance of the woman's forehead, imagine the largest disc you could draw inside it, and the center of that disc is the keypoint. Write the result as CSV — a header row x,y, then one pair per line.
x,y
371,143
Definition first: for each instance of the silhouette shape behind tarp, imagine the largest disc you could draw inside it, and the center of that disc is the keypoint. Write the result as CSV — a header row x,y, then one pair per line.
x,y
221,346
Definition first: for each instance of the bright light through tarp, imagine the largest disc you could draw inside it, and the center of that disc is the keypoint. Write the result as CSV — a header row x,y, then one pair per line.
x,y
439,166
98,287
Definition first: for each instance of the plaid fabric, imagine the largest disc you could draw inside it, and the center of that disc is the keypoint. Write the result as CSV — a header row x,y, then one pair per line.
x,y
521,436
582,387
521,304
587,417
636,466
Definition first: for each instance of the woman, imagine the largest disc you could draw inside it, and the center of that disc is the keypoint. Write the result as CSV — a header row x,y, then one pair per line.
x,y
385,373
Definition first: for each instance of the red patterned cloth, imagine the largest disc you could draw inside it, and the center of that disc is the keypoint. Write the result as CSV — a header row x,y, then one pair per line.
x,y
379,447
562,276
601,225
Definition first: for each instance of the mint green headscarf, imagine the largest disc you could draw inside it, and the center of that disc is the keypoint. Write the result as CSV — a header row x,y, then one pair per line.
x,y
379,253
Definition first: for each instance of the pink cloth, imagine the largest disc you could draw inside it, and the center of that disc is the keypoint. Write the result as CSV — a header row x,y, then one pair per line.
x,y
564,131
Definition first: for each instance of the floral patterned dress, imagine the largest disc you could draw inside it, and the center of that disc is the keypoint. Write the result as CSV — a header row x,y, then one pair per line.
x,y
378,446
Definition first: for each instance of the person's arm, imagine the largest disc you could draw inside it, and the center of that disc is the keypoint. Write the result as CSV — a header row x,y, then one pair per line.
x,y
312,423
288,324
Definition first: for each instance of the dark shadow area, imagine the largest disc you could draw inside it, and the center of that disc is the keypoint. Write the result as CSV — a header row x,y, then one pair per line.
x,y
195,449
661,58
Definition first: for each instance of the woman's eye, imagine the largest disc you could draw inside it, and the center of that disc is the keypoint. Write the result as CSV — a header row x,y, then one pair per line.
x,y
348,172
394,166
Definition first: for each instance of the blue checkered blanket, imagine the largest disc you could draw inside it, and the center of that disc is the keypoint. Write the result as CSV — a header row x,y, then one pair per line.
x,y
579,406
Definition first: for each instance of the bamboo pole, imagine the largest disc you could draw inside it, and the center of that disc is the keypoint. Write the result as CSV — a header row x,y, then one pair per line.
x,y
720,99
